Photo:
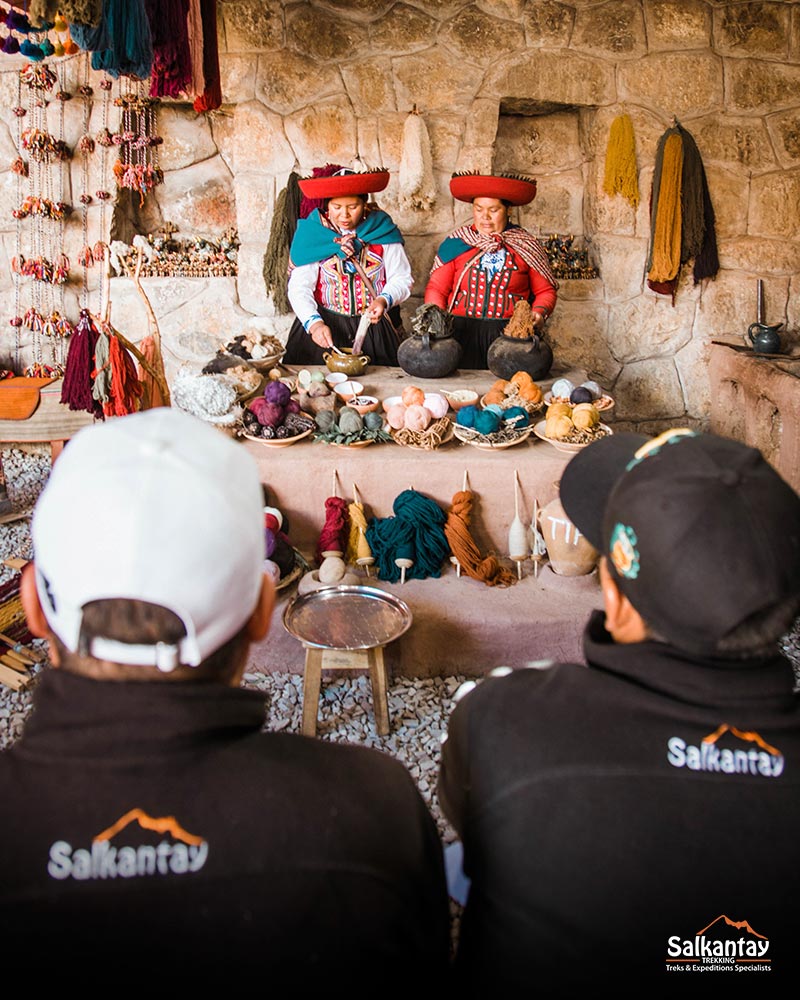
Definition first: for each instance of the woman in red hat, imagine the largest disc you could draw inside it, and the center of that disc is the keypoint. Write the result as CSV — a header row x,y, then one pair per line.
x,y
347,259
482,270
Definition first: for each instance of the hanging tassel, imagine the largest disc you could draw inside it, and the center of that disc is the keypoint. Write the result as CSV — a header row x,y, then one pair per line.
x,y
101,373
276,256
620,169
76,389
126,389
416,181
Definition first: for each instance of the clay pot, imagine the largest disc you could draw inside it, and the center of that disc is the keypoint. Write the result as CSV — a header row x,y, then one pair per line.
x,y
508,355
424,357
346,362
570,554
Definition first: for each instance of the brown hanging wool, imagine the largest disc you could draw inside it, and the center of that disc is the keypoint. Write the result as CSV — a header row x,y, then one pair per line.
x,y
666,253
621,174
126,389
152,395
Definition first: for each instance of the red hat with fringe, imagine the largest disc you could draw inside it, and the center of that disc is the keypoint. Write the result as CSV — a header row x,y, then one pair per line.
x,y
344,183
514,188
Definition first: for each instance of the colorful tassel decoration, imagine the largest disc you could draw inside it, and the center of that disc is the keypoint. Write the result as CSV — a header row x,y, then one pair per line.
x,y
76,390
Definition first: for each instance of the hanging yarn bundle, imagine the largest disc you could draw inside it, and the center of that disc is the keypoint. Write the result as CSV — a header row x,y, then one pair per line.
x,y
620,170
276,256
152,391
465,549
416,532
76,389
333,537
125,390
416,181
211,97
682,222
121,44
172,61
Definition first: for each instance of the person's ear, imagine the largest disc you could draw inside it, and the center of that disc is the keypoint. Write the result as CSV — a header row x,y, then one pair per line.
x,y
259,622
34,613
623,621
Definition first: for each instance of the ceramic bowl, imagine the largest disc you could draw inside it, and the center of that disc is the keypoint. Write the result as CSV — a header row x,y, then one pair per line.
x,y
346,390
335,378
364,404
391,401
461,398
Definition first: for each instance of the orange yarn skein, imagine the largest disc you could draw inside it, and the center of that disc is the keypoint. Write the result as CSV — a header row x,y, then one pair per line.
x,y
465,549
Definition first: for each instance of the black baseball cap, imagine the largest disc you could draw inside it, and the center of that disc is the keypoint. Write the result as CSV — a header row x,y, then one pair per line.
x,y
699,531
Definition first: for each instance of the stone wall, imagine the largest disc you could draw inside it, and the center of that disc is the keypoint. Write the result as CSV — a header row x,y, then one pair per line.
x,y
529,85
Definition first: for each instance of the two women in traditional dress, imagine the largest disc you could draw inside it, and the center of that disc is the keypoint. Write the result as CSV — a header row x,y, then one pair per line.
x,y
347,258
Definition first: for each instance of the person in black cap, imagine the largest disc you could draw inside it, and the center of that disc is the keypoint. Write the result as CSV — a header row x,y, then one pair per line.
x,y
641,817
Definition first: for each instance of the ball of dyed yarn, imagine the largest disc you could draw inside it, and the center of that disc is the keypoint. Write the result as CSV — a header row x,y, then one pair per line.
x,y
396,416
562,387
350,421
292,406
277,514
580,395
332,570
495,408
585,416
487,422
516,416
418,418
593,388
437,404
270,541
413,395
466,416
277,392
373,421
270,415
325,420
283,555
273,570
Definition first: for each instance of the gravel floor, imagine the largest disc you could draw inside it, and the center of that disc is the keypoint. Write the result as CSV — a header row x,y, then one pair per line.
x,y
419,708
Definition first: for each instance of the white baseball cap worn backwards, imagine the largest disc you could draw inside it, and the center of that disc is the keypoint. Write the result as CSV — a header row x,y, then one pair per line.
x,y
156,507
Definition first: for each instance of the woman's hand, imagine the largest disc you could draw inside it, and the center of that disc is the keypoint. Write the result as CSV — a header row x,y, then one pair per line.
x,y
321,334
538,319
377,308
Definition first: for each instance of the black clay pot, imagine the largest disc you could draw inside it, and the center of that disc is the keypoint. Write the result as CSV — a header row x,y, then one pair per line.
x,y
508,355
424,357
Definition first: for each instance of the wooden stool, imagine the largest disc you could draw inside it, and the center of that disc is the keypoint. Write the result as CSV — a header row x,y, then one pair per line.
x,y
318,660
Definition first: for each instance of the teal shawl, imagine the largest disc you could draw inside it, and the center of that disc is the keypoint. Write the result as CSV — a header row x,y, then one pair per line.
x,y
314,241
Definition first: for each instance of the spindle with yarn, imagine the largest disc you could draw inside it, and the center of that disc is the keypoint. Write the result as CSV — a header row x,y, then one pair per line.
x,y
404,559
358,550
454,559
517,535
538,547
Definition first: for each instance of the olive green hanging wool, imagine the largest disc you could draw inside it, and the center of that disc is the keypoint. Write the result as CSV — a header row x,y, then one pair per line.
x,y
276,256
620,173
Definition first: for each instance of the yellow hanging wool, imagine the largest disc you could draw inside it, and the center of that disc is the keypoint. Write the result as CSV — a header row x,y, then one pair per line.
x,y
620,176
666,260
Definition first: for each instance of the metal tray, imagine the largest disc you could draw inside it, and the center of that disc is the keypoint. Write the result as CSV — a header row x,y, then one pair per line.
x,y
346,617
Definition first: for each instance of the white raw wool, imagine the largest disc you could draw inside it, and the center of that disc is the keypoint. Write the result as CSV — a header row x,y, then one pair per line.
x,y
209,397
416,180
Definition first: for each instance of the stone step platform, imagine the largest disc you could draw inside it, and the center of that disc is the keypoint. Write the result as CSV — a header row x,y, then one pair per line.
x,y
461,626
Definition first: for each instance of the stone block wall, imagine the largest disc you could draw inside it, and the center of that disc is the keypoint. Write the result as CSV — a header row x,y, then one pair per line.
x,y
528,85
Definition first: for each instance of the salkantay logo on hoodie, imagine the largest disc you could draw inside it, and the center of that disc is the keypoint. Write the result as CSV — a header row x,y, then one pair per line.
x,y
759,758
182,854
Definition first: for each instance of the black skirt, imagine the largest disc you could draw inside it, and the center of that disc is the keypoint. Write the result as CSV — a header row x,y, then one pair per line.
x,y
380,344
475,336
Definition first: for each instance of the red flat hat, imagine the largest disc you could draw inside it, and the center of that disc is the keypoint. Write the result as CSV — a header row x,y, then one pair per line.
x,y
517,190
344,185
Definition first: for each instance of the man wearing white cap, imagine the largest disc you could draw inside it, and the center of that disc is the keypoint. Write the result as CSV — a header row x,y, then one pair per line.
x,y
147,819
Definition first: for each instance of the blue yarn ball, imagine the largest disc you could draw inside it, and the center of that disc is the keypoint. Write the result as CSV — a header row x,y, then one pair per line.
x,y
487,422
494,408
466,416
517,416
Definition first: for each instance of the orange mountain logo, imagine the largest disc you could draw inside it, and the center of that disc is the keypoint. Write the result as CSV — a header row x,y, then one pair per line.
x,y
752,754
164,824
177,853
724,945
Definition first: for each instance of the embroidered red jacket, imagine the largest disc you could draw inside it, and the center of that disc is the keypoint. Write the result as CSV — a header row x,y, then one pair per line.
x,y
483,295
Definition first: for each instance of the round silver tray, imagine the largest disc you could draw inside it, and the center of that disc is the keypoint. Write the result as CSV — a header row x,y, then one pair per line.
x,y
350,617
